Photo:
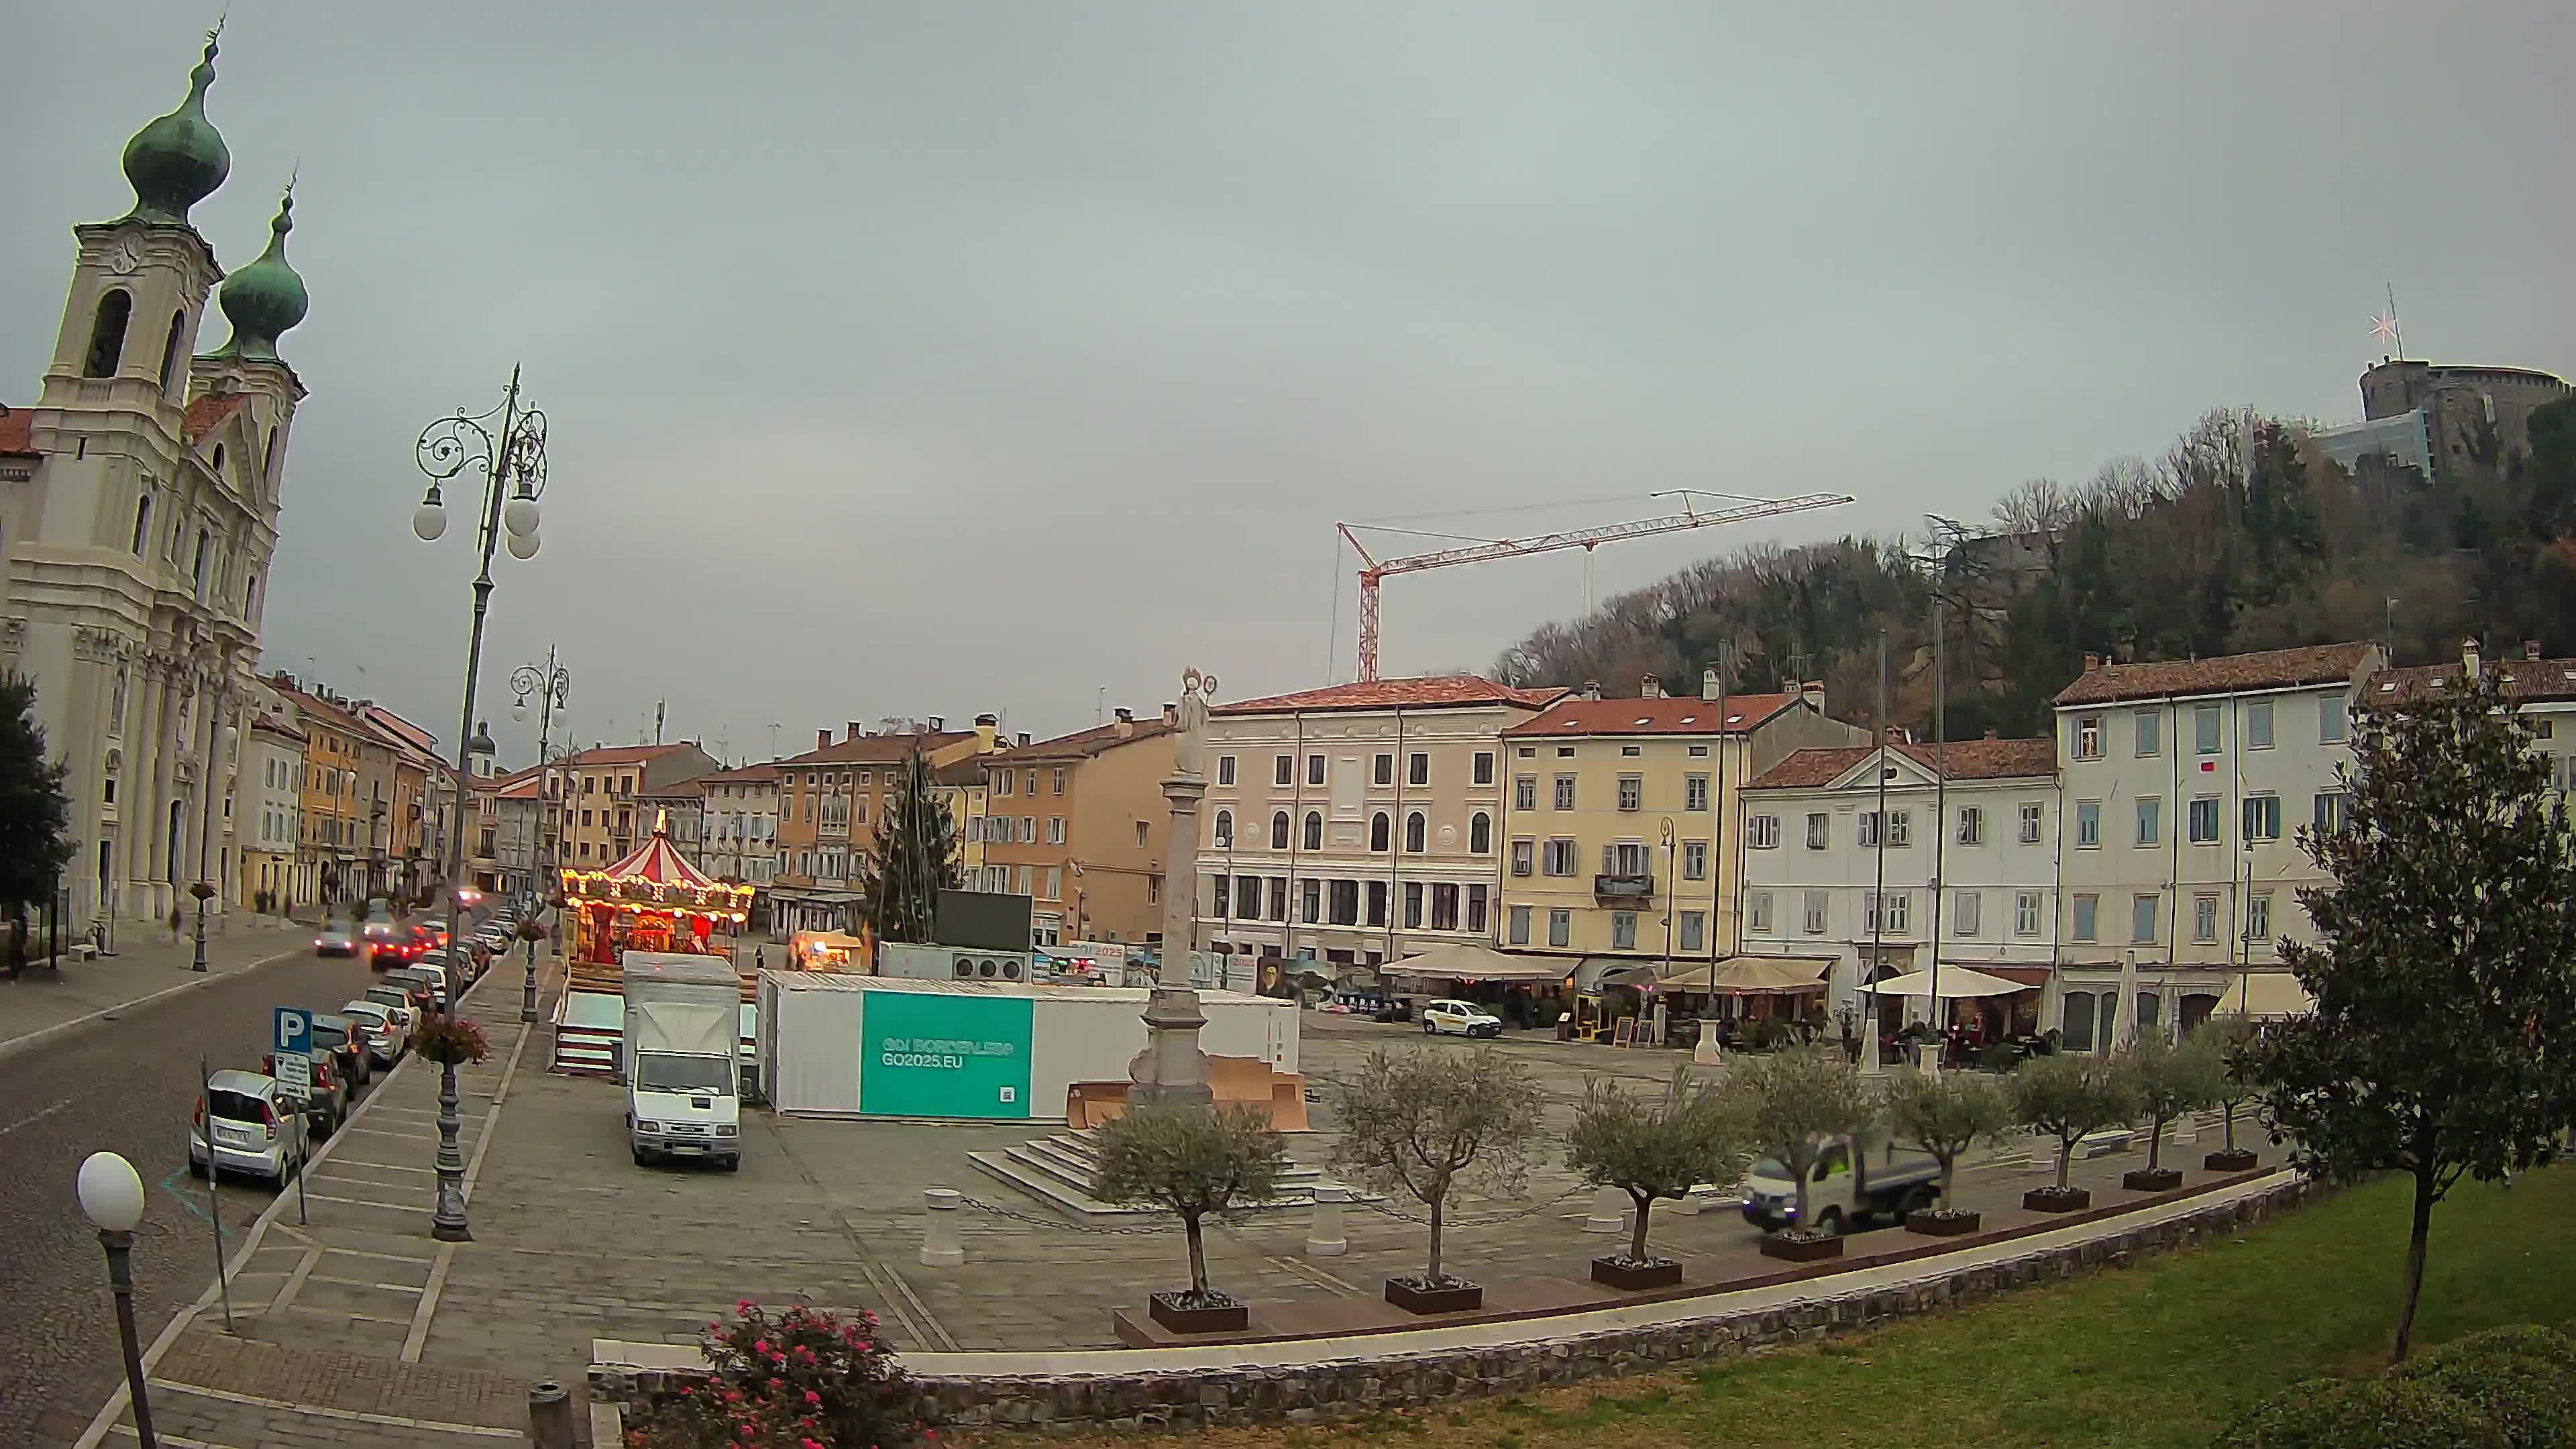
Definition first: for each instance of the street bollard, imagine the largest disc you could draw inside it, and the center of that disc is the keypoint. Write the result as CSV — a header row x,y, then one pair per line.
x,y
1324,1237
940,1245
1609,1211
549,1416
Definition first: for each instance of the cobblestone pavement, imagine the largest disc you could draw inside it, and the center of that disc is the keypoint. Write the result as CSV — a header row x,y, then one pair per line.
x,y
357,1328
126,1085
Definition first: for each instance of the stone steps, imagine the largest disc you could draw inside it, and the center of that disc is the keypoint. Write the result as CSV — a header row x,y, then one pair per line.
x,y
1060,1170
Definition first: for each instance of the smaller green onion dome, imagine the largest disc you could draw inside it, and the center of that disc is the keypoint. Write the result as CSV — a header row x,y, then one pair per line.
x,y
264,299
178,160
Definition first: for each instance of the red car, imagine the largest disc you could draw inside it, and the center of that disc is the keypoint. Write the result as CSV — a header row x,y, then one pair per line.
x,y
406,945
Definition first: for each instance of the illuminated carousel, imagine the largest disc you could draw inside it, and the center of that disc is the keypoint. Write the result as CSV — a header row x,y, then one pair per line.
x,y
653,900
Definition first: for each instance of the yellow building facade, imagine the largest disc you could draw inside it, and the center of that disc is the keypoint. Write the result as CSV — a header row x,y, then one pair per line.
x,y
1622,821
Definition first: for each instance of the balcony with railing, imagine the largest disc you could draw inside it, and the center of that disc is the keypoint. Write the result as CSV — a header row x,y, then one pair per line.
x,y
1623,887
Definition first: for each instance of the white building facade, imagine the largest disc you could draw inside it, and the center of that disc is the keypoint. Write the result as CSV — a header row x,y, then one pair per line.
x,y
742,825
1962,867
1309,843
139,500
2184,785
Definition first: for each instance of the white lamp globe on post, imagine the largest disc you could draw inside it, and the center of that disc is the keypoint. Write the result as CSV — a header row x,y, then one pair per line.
x,y
519,515
429,520
523,546
111,1197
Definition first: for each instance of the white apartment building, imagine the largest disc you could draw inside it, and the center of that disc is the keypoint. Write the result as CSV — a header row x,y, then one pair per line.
x,y
2543,691
1962,866
2183,787
1357,824
742,825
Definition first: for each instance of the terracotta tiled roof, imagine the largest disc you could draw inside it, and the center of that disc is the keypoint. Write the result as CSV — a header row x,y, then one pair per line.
x,y
1428,692
208,413
1667,716
968,771
2522,679
17,430
524,788
2228,674
277,727
621,754
1964,759
1082,744
878,749
760,774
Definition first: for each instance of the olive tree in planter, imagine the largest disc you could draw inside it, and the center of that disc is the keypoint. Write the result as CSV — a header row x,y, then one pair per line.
x,y
1426,1122
2231,1037
1190,1162
1796,1102
1946,1114
1653,1149
2171,1079
2068,1097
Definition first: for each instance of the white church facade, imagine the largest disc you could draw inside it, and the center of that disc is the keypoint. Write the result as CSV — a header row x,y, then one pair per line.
x,y
139,502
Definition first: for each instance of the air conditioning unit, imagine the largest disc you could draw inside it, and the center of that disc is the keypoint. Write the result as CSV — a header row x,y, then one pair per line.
x,y
952,963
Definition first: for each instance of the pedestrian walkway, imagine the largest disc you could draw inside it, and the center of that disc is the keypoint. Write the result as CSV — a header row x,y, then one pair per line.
x,y
49,1001
334,1288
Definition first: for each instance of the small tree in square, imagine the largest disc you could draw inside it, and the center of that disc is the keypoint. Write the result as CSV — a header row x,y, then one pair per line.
x,y
1655,1148
2068,1097
1946,1114
2173,1078
1190,1162
2443,1041
1425,1123
1795,1102
2230,1039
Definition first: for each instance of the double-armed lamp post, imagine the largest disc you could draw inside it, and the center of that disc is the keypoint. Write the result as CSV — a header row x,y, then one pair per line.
x,y
553,686
508,446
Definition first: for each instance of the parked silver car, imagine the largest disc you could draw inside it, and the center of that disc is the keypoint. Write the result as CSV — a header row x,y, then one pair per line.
x,y
251,1126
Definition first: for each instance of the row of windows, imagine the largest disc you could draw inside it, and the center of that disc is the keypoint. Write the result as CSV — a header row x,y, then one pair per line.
x,y
2088,734
1025,781
2261,822
1690,934
1417,831
1632,792
1417,769
1892,913
1557,857
1762,832
1437,905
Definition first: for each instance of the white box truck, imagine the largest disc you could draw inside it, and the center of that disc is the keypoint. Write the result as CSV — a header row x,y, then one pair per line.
x,y
683,1030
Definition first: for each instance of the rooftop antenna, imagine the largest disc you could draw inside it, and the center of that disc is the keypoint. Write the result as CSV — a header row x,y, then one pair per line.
x,y
2384,326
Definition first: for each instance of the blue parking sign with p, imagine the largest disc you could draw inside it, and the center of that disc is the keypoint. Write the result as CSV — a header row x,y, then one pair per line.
x,y
294,1034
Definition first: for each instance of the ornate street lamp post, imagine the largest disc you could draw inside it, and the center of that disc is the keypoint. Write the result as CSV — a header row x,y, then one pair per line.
x,y
513,463
553,686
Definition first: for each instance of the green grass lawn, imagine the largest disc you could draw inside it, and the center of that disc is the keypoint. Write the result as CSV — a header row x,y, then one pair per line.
x,y
2161,1354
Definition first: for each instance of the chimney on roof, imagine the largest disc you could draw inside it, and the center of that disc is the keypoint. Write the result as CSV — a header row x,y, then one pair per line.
x,y
822,739
1650,687
2469,657
1813,692
988,730
1592,689
1709,688
1023,739
2531,649
2092,661
1990,733
851,730
1126,722
939,724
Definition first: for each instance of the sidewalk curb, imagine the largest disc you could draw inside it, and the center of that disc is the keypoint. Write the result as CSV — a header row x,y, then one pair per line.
x,y
42,1035
103,1422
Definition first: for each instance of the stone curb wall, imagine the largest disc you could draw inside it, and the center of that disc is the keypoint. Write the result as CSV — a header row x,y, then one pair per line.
x,y
1190,1399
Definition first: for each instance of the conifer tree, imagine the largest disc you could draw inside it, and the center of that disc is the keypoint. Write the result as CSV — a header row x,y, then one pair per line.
x,y
35,815
912,859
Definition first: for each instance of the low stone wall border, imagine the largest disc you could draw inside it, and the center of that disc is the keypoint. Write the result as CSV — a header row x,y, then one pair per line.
x,y
1341,1388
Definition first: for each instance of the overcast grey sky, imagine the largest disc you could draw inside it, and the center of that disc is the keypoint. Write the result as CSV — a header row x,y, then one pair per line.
x,y
932,358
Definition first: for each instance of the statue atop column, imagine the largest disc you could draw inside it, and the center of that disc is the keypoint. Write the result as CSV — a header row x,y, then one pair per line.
x,y
1189,747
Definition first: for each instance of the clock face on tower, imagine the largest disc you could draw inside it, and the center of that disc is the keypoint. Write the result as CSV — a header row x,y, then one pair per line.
x,y
128,256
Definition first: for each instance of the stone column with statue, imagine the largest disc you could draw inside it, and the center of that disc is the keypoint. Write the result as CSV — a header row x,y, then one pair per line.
x,y
1171,1070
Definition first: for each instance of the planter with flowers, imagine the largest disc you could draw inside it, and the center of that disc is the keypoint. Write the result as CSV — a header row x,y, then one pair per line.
x,y
795,1377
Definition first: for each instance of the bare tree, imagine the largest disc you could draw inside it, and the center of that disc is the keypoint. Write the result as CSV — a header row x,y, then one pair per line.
x,y
1425,1123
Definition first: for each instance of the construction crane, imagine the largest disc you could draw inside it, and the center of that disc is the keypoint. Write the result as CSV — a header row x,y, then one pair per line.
x,y
1374,570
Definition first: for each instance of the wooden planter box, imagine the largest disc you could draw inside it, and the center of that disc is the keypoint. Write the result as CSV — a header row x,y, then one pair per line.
x,y
1938,1225
1452,1298
1661,1273
1217,1318
2157,1179
2239,1160
2050,1200
1800,1250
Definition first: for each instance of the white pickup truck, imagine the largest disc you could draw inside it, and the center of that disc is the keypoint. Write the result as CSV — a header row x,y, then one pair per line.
x,y
1846,1187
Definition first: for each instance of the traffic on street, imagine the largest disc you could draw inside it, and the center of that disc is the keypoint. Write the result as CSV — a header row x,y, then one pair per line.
x,y
129,1082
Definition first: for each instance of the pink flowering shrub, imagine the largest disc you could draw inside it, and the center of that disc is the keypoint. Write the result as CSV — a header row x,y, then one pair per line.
x,y
799,1378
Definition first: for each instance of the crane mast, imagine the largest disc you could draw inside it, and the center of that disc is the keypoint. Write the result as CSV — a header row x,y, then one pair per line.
x,y
1374,570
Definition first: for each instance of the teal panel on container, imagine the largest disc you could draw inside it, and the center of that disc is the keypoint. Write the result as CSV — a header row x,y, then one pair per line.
x,y
932,1054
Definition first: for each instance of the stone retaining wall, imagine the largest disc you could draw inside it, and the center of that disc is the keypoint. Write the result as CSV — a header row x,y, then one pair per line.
x,y
1361,1385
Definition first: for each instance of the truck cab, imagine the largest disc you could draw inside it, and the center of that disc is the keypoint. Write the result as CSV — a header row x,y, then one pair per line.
x,y
1848,1186
680,1058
